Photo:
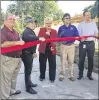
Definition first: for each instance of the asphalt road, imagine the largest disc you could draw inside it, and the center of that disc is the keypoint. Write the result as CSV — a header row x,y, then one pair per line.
x,y
79,89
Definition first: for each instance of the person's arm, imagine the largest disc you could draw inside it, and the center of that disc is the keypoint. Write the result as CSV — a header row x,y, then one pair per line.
x,y
34,52
60,33
34,55
80,32
76,32
6,43
12,43
40,34
54,32
55,36
29,37
96,31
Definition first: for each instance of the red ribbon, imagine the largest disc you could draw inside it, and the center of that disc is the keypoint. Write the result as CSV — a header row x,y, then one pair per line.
x,y
33,43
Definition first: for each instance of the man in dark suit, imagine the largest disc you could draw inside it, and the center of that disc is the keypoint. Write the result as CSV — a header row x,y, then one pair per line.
x,y
29,53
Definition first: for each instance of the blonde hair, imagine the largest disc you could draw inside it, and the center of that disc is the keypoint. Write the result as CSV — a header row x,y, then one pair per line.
x,y
48,20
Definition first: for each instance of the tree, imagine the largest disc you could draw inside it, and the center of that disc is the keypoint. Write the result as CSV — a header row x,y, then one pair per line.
x,y
18,26
37,9
52,9
93,9
2,17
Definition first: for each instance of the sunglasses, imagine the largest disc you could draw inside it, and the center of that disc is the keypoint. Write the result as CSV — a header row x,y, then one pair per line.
x,y
66,18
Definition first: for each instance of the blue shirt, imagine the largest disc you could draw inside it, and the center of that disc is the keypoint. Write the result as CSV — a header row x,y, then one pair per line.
x,y
88,29
70,31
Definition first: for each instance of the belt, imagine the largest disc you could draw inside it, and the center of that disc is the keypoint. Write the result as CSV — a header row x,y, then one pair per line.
x,y
87,41
27,52
11,56
69,44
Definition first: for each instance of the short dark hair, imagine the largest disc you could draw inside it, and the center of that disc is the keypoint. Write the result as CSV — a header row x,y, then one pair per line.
x,y
85,12
65,15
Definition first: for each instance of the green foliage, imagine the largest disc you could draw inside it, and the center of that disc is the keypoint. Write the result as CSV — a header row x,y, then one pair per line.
x,y
18,26
1,17
93,9
37,9
11,8
51,9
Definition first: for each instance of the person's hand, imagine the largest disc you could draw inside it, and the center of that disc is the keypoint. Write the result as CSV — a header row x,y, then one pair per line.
x,y
83,39
42,39
97,35
51,49
35,55
48,33
77,37
20,42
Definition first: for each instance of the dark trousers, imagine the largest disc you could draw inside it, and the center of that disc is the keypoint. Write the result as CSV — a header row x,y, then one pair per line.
x,y
28,61
52,65
86,47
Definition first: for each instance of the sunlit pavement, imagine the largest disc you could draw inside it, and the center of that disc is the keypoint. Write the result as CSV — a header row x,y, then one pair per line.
x,y
79,89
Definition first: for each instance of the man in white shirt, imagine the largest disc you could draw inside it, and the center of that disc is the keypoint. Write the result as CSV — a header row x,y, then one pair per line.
x,y
87,46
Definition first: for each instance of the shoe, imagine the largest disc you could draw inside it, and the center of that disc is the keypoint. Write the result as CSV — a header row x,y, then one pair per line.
x,y
33,85
16,92
52,81
79,77
31,91
72,78
61,78
90,78
41,79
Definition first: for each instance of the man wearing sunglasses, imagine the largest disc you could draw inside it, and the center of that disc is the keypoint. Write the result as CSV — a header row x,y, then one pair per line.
x,y
10,62
67,48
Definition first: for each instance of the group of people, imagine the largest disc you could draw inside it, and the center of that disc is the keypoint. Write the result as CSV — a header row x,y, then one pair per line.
x,y
10,62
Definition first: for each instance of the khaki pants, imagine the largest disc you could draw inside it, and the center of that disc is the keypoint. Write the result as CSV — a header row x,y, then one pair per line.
x,y
67,54
9,71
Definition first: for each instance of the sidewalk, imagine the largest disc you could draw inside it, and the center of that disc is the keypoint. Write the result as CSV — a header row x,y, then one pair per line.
x,y
79,89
